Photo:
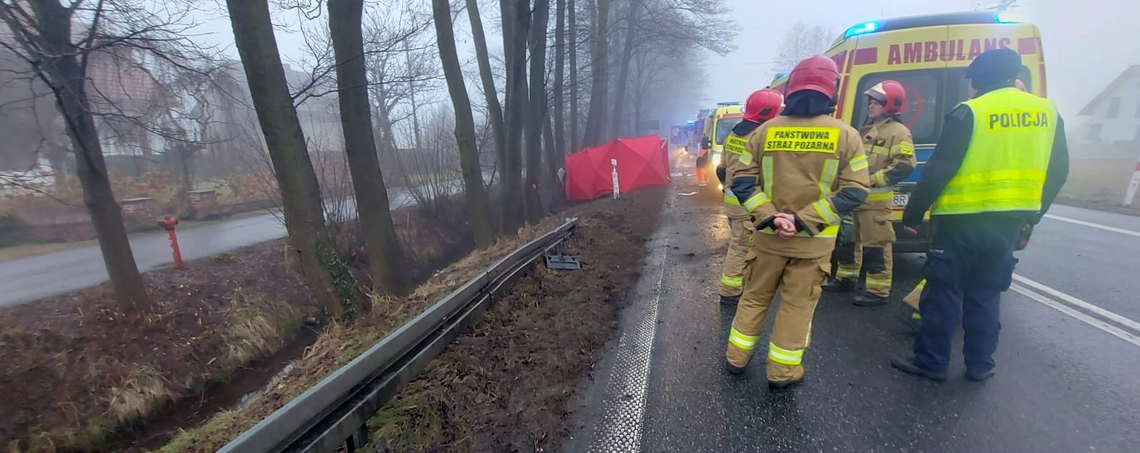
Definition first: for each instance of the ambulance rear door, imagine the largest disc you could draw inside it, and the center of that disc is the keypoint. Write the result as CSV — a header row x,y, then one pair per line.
x,y
918,59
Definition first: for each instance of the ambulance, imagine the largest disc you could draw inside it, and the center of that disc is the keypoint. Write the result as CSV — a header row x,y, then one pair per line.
x,y
717,126
928,55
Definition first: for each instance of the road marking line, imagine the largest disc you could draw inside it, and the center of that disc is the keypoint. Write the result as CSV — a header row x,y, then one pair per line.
x,y
619,430
1094,225
1080,303
1081,316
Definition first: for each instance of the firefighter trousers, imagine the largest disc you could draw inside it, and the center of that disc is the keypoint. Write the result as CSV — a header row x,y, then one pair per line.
x,y
874,235
732,276
799,281
969,265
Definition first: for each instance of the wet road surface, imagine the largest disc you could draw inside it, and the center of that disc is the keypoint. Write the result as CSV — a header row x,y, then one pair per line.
x,y
1068,374
26,279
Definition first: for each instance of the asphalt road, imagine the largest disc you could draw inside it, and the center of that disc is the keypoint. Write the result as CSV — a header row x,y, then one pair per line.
x,y
1068,362
30,278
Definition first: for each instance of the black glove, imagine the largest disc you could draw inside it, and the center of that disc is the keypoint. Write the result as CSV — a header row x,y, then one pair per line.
x,y
721,172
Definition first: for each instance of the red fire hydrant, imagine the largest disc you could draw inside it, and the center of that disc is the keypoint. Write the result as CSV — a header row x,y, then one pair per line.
x,y
168,224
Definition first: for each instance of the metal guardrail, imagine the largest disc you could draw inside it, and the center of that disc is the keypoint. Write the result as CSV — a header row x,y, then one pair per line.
x,y
332,414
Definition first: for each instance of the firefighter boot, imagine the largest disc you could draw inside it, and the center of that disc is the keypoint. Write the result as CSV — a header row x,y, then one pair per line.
x,y
729,300
837,285
870,300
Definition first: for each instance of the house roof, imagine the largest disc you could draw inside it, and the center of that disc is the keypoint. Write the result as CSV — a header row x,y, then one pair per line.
x,y
1088,110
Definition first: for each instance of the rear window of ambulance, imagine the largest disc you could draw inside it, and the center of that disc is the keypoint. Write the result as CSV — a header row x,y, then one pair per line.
x,y
962,85
924,91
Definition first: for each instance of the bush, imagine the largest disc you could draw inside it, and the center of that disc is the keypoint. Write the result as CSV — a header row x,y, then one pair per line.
x,y
14,231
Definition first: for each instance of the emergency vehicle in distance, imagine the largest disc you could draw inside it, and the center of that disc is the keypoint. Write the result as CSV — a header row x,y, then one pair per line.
x,y
928,55
717,124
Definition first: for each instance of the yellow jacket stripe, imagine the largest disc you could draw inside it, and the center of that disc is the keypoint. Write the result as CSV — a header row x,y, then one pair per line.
x,y
766,165
757,200
730,197
827,179
858,163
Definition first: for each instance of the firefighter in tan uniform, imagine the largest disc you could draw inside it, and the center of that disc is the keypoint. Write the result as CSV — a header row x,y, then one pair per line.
x,y
808,170
761,106
890,159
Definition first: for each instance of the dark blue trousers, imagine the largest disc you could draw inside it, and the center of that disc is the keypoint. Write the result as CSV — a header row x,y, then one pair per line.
x,y
969,265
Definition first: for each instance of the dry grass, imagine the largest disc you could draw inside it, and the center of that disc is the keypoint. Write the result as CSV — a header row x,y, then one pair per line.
x,y
142,389
338,344
1099,182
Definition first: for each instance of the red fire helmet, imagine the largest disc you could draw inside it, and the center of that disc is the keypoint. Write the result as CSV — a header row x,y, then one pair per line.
x,y
891,94
817,73
763,105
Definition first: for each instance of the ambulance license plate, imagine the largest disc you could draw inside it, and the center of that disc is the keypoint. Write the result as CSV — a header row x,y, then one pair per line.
x,y
901,199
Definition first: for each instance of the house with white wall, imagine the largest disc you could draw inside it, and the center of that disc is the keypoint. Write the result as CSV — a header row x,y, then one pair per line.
x,y
1113,116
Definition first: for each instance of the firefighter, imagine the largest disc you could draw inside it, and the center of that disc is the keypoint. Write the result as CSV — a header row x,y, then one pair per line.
x,y
890,159
761,106
808,169
999,165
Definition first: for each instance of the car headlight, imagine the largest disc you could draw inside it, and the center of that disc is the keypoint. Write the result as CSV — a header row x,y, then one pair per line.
x,y
716,160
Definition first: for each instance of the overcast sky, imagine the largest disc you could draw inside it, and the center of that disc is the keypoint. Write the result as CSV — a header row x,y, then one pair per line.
x,y
1087,42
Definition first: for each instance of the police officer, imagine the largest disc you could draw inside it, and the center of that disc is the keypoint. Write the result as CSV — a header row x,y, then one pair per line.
x,y
761,106
890,158
914,319
1000,163
808,169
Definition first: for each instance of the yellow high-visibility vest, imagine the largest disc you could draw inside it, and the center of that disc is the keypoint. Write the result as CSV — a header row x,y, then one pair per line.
x,y
1008,156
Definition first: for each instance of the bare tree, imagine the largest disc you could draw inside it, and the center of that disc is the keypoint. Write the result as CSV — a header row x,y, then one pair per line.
x,y
559,108
320,265
375,217
494,109
536,113
799,42
572,24
516,23
464,126
600,76
60,43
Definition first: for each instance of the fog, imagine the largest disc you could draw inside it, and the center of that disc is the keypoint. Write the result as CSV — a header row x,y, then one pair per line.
x,y
1087,43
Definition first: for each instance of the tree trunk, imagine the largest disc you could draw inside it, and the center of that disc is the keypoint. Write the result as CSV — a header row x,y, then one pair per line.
x,y
559,78
537,112
374,212
67,79
412,97
572,22
595,115
464,126
516,22
623,74
300,193
554,160
494,109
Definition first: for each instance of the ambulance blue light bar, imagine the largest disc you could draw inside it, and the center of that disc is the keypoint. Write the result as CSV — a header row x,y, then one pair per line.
x,y
1007,17
862,29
